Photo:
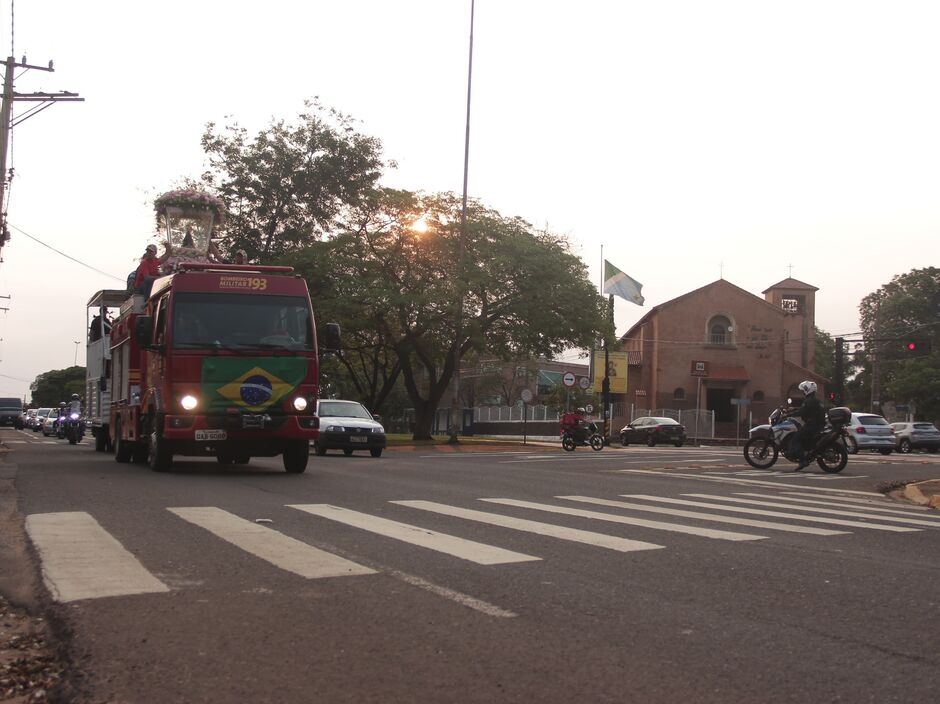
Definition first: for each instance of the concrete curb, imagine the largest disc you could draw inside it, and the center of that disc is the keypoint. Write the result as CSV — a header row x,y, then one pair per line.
x,y
925,493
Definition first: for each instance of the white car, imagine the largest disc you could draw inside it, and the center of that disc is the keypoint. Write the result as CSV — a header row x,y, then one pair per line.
x,y
348,426
47,424
869,431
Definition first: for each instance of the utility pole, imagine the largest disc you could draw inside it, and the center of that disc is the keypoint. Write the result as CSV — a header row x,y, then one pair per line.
x,y
839,370
8,122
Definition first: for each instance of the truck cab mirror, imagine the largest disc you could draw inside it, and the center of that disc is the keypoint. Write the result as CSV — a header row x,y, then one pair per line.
x,y
143,331
330,338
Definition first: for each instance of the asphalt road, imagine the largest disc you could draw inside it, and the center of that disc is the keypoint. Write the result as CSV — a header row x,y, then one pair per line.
x,y
513,575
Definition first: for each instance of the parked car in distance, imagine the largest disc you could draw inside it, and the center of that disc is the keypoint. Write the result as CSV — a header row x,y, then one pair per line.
x,y
652,431
916,436
869,431
48,426
38,418
348,426
11,412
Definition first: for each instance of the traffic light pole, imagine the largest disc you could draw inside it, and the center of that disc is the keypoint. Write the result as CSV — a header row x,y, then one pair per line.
x,y
839,371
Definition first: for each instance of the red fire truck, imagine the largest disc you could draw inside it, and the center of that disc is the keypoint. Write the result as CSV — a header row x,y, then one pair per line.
x,y
219,360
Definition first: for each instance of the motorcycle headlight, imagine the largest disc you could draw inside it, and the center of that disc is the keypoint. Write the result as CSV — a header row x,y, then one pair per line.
x,y
74,416
300,404
189,402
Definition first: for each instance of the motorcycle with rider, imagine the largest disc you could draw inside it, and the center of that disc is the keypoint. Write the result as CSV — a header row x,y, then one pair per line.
x,y
576,431
803,435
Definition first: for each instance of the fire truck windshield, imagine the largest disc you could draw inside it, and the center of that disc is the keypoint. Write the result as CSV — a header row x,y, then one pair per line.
x,y
238,321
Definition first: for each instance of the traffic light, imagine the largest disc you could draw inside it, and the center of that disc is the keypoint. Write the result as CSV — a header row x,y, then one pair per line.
x,y
835,398
915,348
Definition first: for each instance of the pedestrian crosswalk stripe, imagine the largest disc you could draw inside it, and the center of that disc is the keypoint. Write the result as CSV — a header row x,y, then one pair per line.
x,y
698,515
775,514
744,481
813,509
81,560
882,508
627,520
580,536
852,501
441,542
271,546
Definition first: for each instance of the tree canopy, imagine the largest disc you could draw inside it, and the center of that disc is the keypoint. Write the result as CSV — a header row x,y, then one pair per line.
x,y
396,290
57,385
288,185
899,312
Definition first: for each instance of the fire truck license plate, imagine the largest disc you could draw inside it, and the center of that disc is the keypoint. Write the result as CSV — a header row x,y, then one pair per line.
x,y
252,421
210,435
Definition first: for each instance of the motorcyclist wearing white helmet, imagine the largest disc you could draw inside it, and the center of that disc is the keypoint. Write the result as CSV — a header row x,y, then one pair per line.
x,y
814,418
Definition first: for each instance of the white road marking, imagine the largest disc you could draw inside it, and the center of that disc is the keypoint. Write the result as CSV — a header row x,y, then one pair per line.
x,y
698,515
655,525
775,514
463,599
271,546
596,457
752,482
81,560
850,500
850,503
471,455
579,536
458,547
15,442
830,511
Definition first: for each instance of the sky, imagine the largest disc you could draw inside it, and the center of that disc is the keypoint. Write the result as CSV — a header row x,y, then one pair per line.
x,y
691,140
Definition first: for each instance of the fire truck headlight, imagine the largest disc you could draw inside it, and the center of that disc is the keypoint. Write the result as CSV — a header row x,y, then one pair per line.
x,y
188,402
300,403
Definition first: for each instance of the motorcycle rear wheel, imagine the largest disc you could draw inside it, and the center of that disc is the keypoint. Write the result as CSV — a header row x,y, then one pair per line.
x,y
833,459
567,442
760,453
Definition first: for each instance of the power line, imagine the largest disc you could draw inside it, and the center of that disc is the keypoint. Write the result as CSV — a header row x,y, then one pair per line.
x,y
67,256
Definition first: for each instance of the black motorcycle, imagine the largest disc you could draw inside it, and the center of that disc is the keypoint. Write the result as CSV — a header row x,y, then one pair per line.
x,y
766,442
73,428
587,437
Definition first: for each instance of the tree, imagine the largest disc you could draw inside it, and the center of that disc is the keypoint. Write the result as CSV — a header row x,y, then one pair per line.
x,y
288,185
825,354
522,291
903,310
57,385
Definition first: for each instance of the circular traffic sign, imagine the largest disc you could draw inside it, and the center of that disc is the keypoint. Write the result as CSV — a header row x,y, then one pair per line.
x,y
526,396
584,382
568,379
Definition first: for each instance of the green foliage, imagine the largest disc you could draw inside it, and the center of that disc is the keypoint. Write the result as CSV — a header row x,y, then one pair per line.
x,y
289,184
52,387
825,354
904,309
415,302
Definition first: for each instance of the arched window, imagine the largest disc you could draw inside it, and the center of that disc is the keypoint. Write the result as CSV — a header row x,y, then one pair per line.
x,y
720,331
679,394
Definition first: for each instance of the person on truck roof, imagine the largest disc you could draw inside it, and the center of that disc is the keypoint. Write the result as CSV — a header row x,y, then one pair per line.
x,y
149,268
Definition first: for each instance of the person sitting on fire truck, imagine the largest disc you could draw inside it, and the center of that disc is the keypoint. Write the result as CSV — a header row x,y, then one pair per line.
x,y
573,422
149,268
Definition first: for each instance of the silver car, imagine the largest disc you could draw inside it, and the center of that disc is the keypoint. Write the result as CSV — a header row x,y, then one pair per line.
x,y
868,431
916,436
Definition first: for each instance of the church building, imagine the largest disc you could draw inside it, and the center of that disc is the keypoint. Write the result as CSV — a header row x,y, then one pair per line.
x,y
722,348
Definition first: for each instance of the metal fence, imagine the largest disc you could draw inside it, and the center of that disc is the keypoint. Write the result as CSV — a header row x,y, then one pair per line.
x,y
508,414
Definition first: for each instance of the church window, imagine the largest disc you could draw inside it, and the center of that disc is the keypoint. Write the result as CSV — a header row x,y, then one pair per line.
x,y
720,331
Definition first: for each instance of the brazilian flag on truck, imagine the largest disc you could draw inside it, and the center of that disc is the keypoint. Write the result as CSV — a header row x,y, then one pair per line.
x,y
251,383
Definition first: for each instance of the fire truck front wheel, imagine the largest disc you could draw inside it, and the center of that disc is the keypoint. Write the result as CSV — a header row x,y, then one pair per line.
x,y
296,455
159,456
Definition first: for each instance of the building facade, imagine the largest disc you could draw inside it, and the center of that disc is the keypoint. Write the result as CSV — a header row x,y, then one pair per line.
x,y
724,349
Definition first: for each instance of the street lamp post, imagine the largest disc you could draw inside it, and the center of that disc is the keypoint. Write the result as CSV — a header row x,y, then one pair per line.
x,y
457,422
75,360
